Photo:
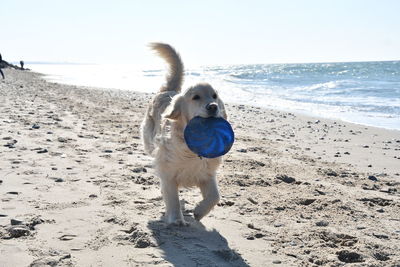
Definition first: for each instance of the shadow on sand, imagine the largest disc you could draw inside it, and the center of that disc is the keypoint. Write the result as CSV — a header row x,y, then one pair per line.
x,y
194,245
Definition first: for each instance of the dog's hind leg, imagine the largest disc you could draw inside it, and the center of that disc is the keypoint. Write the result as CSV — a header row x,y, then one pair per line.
x,y
209,190
147,131
173,214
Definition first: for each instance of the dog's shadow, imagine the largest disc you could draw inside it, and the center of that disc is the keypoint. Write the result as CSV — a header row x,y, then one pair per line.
x,y
194,245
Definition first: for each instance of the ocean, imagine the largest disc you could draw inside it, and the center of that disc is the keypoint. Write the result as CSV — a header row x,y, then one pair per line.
x,y
366,93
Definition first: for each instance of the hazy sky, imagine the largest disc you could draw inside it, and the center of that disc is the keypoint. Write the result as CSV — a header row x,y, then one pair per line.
x,y
205,32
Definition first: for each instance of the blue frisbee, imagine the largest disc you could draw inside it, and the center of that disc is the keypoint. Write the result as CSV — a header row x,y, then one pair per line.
x,y
209,137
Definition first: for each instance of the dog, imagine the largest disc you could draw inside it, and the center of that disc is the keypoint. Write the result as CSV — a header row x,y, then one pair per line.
x,y
162,133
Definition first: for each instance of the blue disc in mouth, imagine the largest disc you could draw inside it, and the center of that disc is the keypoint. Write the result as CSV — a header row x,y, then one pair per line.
x,y
209,137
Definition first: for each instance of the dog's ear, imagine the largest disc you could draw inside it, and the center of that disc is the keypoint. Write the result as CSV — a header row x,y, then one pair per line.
x,y
224,115
174,110
223,110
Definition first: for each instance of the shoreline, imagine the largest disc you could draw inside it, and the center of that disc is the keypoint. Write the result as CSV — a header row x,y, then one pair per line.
x,y
296,190
321,110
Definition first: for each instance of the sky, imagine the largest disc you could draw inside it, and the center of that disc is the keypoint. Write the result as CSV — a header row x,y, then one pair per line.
x,y
207,32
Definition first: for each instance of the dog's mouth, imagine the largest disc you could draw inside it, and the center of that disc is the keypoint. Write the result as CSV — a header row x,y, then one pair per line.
x,y
210,111
213,114
208,115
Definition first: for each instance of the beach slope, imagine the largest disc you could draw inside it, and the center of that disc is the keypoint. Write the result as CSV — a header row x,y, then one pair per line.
x,y
76,188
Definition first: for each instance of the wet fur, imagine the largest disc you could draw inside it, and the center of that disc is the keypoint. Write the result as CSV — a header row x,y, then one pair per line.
x,y
162,135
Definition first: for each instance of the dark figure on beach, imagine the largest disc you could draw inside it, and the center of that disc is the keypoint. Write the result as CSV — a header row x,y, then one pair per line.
x,y
22,64
1,65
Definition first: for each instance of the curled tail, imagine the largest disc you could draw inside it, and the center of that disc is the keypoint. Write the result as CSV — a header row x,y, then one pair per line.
x,y
175,74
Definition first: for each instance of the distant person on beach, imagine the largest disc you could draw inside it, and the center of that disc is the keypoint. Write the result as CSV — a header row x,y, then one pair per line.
x,y
22,64
1,64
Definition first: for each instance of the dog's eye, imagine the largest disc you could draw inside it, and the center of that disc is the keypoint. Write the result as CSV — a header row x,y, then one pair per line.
x,y
196,97
214,96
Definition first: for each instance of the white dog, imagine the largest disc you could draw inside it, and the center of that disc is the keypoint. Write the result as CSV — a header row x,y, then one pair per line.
x,y
162,134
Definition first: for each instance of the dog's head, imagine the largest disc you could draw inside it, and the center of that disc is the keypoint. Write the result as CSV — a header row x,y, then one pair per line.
x,y
200,100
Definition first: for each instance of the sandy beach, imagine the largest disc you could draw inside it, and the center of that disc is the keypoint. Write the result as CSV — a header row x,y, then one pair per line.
x,y
76,188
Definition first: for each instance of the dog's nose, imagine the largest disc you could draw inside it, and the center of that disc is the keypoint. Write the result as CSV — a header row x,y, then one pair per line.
x,y
212,108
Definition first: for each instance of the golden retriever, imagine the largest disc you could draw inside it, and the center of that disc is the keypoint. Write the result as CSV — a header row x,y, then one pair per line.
x,y
162,132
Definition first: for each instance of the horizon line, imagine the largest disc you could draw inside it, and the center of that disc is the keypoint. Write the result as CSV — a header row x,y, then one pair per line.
x,y
226,64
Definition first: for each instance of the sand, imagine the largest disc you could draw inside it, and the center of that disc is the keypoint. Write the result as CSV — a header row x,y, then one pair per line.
x,y
76,188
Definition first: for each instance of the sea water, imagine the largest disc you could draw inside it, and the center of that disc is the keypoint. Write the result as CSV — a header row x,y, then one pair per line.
x,y
366,93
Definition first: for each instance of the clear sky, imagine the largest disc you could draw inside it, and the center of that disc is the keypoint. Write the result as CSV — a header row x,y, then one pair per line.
x,y
205,32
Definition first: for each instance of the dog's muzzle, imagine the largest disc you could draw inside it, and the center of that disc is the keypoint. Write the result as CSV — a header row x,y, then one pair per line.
x,y
212,109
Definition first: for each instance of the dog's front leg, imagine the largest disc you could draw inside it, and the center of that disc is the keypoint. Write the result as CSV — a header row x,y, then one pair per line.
x,y
173,214
209,190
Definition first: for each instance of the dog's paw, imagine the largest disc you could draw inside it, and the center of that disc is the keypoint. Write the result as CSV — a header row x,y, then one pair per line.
x,y
198,213
175,220
197,217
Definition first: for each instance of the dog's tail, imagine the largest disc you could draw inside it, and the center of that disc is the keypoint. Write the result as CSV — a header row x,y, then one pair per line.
x,y
175,74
